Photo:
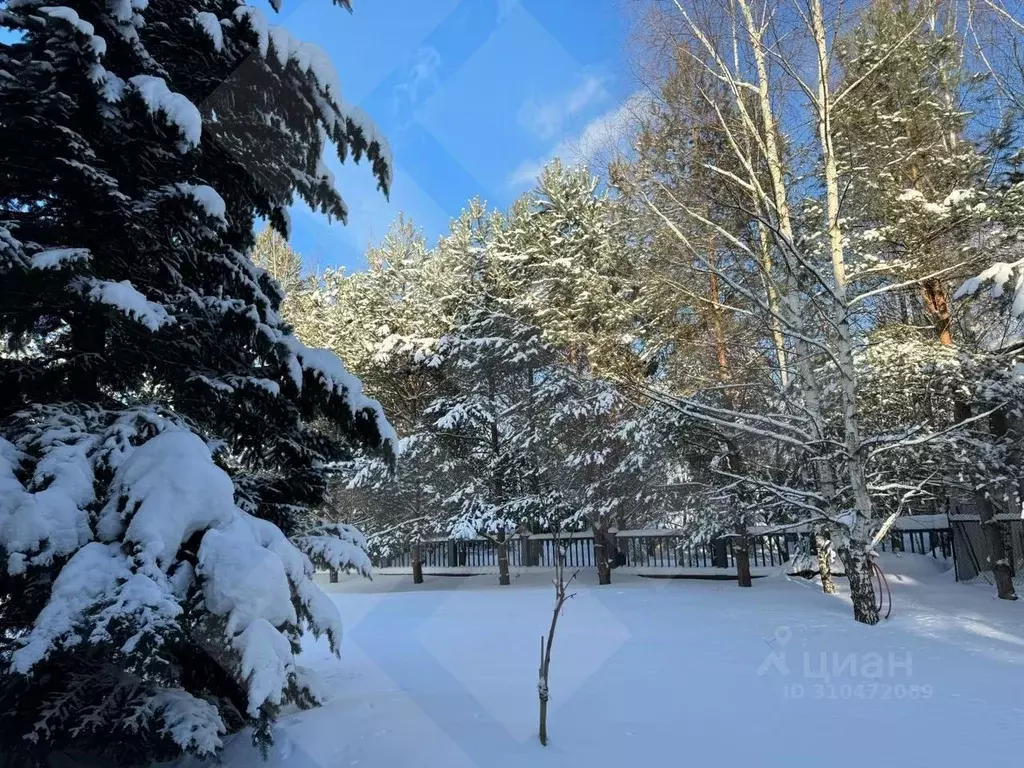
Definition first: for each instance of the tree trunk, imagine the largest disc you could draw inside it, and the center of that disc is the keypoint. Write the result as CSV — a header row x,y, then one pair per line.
x,y
741,553
417,564
992,528
824,547
858,565
936,304
542,730
997,555
526,551
604,571
334,576
862,590
503,576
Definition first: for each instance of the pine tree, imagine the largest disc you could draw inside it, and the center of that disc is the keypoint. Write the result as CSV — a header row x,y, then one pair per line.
x,y
273,254
400,506
609,458
490,427
916,181
563,254
385,321
163,436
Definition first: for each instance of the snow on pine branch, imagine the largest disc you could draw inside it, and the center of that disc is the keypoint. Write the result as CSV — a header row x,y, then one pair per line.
x,y
176,108
56,258
94,589
999,275
155,511
311,58
193,724
207,198
125,582
37,526
329,371
124,297
210,24
336,546
70,15
11,250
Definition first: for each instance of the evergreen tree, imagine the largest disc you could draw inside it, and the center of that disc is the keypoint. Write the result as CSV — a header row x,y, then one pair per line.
x,y
164,436
563,254
916,180
273,254
400,506
385,321
491,428
609,458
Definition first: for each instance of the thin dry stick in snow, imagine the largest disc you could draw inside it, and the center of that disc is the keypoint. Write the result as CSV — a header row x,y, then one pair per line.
x,y
561,595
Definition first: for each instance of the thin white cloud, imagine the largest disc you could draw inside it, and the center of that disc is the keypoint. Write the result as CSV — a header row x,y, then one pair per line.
x,y
602,136
546,120
420,77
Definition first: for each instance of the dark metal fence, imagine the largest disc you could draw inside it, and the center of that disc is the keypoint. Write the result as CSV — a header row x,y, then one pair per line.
x,y
935,542
677,551
972,561
653,549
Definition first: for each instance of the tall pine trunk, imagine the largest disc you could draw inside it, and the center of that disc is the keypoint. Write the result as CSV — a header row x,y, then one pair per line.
x,y
417,563
996,546
503,574
936,304
993,529
601,554
741,553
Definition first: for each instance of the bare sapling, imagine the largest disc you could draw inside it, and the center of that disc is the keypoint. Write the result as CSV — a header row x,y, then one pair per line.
x,y
562,594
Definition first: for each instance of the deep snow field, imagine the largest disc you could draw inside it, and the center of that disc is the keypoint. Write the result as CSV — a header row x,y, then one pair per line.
x,y
662,672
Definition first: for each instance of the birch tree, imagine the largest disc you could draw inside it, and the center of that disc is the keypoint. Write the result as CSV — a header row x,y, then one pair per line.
x,y
787,175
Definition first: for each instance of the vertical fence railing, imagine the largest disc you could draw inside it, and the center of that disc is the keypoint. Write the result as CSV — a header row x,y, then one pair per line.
x,y
650,549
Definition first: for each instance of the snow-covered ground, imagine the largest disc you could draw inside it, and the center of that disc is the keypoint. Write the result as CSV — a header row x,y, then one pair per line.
x,y
659,672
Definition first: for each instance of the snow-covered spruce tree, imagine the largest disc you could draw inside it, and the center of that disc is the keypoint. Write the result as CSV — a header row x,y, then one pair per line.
x,y
385,321
272,253
162,435
398,506
490,427
609,457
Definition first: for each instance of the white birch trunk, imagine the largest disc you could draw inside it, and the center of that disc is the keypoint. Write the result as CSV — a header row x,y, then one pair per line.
x,y
855,550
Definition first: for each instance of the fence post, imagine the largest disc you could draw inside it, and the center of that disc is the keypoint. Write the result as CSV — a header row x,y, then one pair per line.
x,y
525,550
719,553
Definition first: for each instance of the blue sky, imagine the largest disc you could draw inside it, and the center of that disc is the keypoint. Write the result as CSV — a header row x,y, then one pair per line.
x,y
474,96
